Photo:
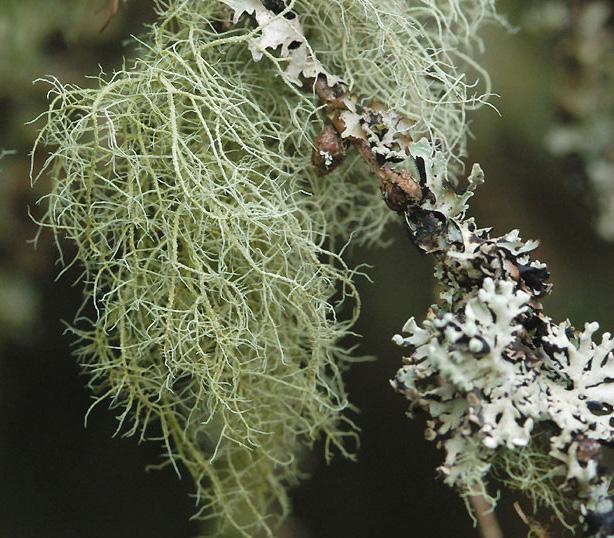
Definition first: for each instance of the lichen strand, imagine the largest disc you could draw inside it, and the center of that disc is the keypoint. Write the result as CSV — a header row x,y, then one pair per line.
x,y
182,185
493,372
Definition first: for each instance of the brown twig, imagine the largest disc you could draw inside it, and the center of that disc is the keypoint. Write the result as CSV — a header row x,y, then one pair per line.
x,y
539,530
487,520
401,191
399,188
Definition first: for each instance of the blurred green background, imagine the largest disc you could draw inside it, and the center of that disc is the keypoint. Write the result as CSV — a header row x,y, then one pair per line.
x,y
60,480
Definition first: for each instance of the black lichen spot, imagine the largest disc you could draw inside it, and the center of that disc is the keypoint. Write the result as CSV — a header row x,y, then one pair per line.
x,y
276,6
428,226
599,408
421,170
534,277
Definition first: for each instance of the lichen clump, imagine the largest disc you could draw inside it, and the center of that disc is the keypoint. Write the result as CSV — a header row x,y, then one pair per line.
x,y
208,244
494,372
215,300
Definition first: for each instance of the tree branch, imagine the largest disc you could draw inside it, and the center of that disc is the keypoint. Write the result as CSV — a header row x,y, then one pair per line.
x,y
487,520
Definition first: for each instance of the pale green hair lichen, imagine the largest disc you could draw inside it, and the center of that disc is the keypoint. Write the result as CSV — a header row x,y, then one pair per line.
x,y
529,470
212,287
538,476
209,245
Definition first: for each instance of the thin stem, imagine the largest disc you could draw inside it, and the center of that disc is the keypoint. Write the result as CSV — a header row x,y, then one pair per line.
x,y
487,519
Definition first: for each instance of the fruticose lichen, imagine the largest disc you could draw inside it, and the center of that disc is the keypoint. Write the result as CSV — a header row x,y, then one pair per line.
x,y
215,300
208,244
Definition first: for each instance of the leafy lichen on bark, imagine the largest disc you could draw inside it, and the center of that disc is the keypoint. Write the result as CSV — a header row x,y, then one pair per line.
x,y
489,367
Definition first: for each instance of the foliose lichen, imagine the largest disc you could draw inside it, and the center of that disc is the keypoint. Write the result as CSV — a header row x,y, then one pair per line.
x,y
500,381
491,369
